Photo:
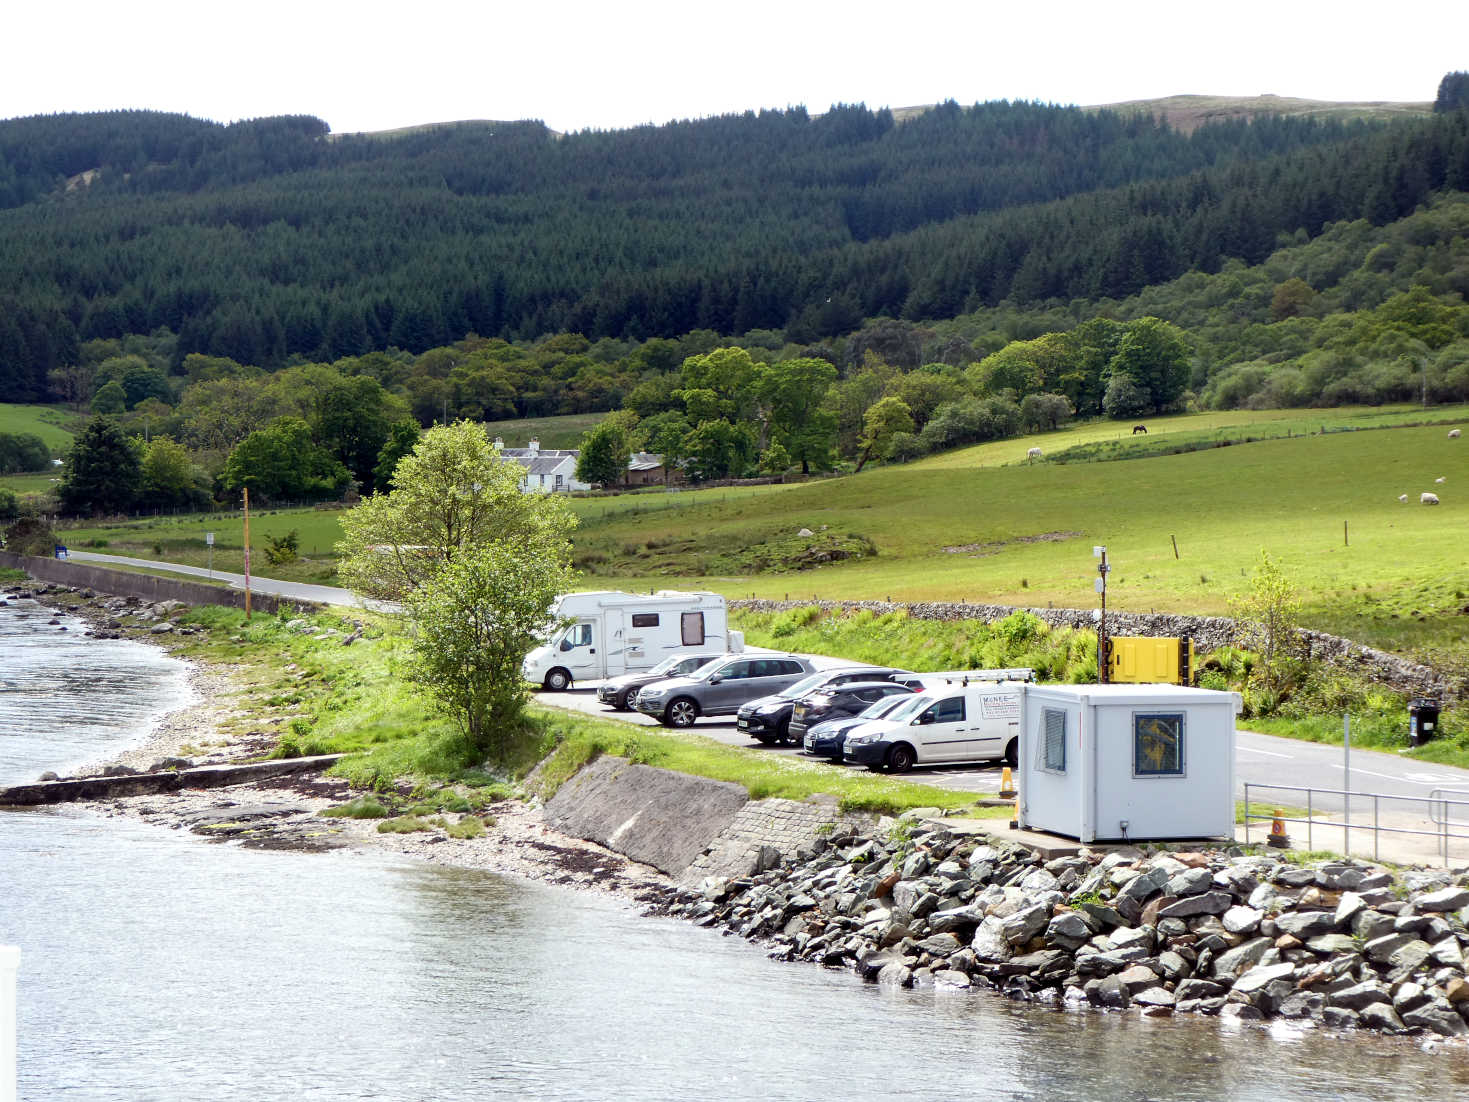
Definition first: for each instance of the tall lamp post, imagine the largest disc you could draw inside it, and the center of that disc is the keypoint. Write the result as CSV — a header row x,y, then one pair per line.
x,y
1100,553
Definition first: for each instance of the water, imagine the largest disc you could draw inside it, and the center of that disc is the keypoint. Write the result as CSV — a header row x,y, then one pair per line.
x,y
158,966
65,699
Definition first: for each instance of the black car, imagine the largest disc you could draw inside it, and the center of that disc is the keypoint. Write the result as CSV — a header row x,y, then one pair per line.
x,y
839,702
618,692
768,719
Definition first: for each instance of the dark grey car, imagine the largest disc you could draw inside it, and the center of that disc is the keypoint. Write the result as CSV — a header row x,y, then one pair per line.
x,y
720,687
619,692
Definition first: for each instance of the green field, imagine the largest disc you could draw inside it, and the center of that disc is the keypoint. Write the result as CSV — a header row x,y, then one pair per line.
x,y
51,423
564,431
984,525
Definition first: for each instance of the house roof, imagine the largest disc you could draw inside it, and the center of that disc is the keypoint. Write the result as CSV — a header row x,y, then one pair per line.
x,y
526,453
644,461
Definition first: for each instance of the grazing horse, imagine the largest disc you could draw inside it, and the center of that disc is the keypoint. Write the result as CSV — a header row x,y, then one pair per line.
x,y
1139,429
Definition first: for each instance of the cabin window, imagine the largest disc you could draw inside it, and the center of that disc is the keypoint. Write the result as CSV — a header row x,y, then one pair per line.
x,y
1053,740
693,629
645,619
949,711
579,635
1157,744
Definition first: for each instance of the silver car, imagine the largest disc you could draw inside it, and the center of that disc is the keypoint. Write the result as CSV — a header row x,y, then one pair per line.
x,y
720,687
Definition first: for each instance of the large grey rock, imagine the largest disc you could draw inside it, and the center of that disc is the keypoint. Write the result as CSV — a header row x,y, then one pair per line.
x,y
1438,1017
1380,949
895,974
1410,956
1409,996
956,919
1370,925
1109,992
989,940
1129,937
1190,882
1348,908
1241,957
1047,962
1145,885
1154,996
1303,1004
1305,924
1360,995
1103,914
1024,925
1339,1017
1241,920
1137,978
1331,944
940,945
1257,977
1068,931
1038,881
1448,954
1199,989
1173,966
1209,903
1445,899
1383,1017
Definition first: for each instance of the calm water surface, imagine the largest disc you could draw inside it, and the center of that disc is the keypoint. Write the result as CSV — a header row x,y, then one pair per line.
x,y
159,966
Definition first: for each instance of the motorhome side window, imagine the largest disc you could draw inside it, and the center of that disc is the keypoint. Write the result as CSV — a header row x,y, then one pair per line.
x,y
1053,740
645,619
693,629
578,636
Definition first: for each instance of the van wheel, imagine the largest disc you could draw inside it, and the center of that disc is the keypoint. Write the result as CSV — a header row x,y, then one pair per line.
x,y
901,758
1012,753
682,712
557,680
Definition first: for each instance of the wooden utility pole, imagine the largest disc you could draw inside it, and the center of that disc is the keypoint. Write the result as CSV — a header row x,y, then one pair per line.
x,y
247,552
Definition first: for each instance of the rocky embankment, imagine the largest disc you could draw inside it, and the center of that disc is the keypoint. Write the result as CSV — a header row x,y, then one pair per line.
x,y
1248,937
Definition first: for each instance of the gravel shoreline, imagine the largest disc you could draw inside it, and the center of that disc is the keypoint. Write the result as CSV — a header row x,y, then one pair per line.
x,y
284,813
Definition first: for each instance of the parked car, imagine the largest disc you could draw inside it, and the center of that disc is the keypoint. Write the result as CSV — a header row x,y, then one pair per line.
x,y
769,719
618,692
827,738
720,688
942,725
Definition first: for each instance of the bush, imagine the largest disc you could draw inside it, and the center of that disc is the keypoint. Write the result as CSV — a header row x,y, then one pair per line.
x,y
30,536
363,807
280,550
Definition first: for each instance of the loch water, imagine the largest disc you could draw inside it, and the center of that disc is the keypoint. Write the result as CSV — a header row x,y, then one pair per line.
x,y
160,966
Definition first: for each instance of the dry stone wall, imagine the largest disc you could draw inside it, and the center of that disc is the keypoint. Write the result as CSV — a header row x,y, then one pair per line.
x,y
1207,632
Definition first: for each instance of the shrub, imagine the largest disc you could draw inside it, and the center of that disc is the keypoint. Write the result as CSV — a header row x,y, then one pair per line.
x,y
280,550
363,807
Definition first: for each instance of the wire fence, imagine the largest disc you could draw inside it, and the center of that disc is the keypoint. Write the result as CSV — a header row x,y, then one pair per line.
x,y
1419,826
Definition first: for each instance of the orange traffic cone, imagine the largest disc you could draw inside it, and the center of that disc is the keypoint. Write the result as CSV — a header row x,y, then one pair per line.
x,y
1015,815
1278,839
1007,784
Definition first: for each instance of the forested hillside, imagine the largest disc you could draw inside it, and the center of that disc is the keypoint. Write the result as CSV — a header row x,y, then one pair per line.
x,y
269,242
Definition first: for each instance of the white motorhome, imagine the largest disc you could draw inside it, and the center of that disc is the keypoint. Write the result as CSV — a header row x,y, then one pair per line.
x,y
597,635
953,718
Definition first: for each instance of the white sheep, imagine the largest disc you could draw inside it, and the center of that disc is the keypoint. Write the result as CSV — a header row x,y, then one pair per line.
x,y
1439,480
1453,434
1034,453
1402,497
1428,499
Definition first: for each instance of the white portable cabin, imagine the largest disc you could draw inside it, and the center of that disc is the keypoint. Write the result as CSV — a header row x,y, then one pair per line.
x,y
608,633
1127,762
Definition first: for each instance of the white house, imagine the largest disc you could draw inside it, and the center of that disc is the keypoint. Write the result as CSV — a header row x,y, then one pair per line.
x,y
547,470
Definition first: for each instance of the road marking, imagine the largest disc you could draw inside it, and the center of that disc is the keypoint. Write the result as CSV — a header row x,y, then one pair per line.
x,y
1267,753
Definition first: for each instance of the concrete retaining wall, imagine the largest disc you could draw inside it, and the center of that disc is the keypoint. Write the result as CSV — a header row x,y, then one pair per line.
x,y
147,587
150,784
654,816
1207,632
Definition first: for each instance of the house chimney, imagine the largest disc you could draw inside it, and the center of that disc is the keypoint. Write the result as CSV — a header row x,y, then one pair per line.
x,y
535,445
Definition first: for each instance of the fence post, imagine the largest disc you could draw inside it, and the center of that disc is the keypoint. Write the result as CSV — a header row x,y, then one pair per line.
x,y
1247,814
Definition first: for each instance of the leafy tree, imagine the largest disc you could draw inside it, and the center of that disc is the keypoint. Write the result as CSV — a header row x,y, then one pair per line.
x,y
604,453
793,391
450,494
281,462
351,418
30,535
170,476
775,461
1154,354
1265,617
1045,412
281,550
1125,399
9,504
887,417
1453,93
719,449
110,398
1291,299
23,451
72,383
475,618
103,471
403,436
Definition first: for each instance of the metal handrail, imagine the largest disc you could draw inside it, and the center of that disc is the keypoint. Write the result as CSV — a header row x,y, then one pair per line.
x,y
1440,808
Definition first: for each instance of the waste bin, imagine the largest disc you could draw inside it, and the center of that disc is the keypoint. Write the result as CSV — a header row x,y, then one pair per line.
x,y
1422,720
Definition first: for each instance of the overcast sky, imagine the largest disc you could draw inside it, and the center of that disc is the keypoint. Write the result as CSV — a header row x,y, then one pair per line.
x,y
371,65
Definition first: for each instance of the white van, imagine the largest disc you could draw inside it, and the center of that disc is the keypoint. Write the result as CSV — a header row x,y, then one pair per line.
x,y
951,720
597,635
